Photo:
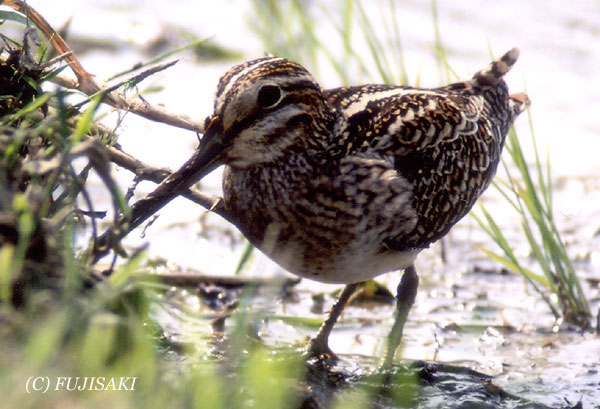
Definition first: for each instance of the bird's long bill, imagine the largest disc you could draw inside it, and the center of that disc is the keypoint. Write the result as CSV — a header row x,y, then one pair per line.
x,y
207,156
205,159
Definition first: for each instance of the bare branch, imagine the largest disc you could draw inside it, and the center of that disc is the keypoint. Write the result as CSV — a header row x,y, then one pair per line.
x,y
137,105
195,279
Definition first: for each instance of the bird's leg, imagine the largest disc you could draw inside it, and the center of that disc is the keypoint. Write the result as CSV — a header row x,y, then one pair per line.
x,y
319,345
405,298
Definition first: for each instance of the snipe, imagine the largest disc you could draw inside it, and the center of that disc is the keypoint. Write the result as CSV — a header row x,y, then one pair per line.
x,y
344,184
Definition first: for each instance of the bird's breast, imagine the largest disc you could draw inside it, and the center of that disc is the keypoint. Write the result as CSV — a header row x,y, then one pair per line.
x,y
327,226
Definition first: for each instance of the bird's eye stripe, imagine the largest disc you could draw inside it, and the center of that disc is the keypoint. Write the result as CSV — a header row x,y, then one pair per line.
x,y
256,116
229,83
300,85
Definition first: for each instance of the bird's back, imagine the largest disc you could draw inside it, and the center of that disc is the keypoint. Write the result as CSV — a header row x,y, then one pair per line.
x,y
445,142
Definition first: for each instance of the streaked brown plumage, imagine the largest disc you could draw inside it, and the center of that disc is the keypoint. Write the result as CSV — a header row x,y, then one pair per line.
x,y
345,184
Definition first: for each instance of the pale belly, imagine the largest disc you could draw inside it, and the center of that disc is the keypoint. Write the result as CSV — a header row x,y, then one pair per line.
x,y
345,268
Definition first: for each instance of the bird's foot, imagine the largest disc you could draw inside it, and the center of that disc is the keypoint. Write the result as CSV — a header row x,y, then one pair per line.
x,y
318,348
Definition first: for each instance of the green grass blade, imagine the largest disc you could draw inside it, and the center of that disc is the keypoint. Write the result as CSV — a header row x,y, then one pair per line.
x,y
374,45
37,103
245,257
515,267
403,74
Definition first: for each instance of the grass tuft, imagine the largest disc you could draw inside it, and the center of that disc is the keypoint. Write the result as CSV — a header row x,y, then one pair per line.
x,y
529,193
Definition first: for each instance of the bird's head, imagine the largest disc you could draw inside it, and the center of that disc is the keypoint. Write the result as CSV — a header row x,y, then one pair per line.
x,y
264,109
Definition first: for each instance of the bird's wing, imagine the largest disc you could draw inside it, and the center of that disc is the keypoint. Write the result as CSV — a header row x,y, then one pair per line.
x,y
400,119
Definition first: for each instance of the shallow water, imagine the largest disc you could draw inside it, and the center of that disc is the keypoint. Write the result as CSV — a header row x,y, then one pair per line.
x,y
490,322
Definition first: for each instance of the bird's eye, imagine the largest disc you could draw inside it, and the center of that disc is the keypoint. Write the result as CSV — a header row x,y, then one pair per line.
x,y
269,96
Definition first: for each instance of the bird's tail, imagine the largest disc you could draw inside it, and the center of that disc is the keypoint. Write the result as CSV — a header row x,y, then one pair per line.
x,y
518,103
493,73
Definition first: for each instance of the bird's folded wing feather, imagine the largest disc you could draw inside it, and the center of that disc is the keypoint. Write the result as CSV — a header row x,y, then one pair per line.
x,y
398,119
